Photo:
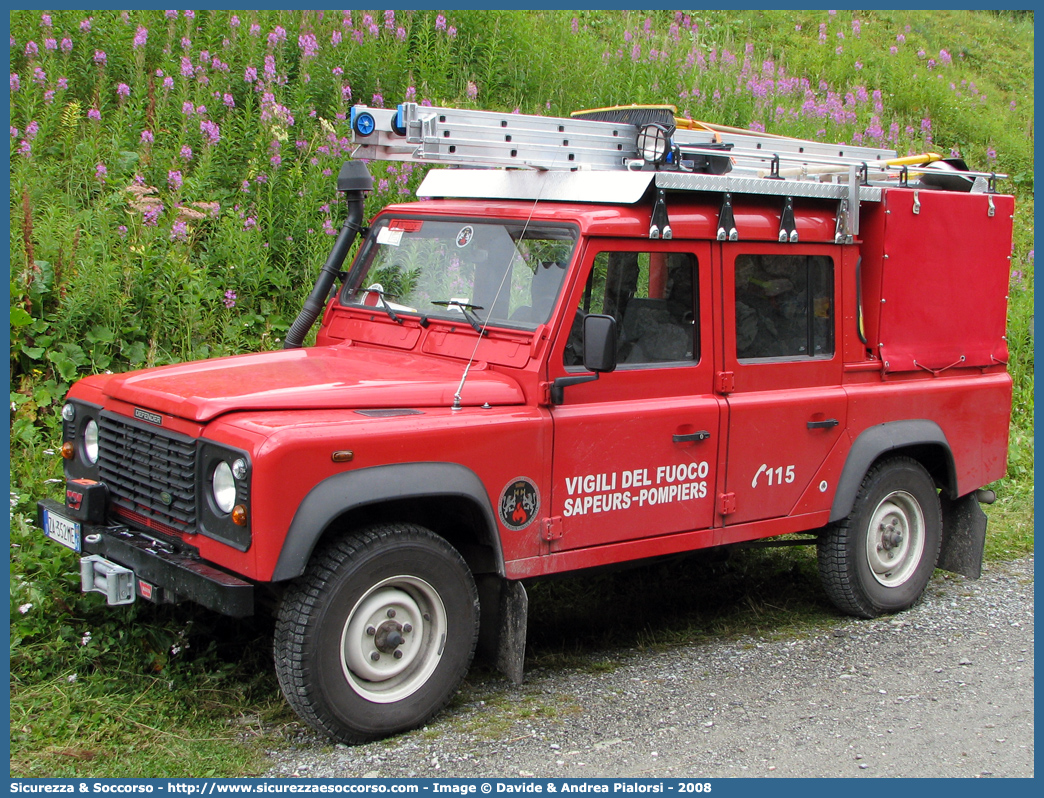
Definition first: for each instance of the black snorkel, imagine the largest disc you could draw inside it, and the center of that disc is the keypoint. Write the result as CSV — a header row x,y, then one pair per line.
x,y
354,180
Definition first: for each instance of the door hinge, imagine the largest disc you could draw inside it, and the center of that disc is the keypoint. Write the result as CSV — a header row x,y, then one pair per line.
x,y
726,382
545,393
552,528
726,503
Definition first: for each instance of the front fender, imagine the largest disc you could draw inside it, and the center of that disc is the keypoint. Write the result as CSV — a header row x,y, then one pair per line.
x,y
341,493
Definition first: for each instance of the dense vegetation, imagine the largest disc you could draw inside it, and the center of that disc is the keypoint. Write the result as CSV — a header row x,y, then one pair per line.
x,y
172,197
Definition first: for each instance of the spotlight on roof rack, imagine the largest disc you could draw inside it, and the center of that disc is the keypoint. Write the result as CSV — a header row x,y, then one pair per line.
x,y
654,143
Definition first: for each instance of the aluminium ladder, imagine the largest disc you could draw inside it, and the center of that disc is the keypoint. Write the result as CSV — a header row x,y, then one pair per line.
x,y
598,161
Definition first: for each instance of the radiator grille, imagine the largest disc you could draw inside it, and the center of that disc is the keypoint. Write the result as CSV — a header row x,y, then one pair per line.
x,y
143,467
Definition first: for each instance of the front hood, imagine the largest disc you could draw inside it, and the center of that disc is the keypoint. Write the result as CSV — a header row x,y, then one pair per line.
x,y
309,379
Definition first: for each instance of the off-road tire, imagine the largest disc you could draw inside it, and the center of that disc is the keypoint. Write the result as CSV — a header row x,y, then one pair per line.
x,y
351,584
897,501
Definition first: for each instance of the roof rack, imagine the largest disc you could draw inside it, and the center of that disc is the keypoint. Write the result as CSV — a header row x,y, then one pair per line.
x,y
571,158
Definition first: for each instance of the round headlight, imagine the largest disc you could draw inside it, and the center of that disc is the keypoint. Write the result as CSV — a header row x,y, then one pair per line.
x,y
239,468
224,486
68,412
90,441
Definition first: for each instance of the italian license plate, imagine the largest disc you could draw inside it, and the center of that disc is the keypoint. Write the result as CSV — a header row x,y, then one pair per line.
x,y
62,530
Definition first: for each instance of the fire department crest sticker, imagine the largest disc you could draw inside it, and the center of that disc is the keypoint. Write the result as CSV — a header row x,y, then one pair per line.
x,y
519,503
465,235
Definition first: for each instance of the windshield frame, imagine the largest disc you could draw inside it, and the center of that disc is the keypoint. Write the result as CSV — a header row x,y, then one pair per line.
x,y
352,284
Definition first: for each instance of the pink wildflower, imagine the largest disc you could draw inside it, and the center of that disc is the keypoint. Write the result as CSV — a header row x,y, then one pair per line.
x,y
211,131
277,36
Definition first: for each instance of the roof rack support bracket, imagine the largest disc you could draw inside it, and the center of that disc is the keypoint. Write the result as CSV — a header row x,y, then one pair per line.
x,y
726,221
787,226
852,211
774,168
660,226
841,234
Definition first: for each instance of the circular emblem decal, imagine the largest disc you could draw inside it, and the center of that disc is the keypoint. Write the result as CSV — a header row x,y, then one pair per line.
x,y
465,235
519,503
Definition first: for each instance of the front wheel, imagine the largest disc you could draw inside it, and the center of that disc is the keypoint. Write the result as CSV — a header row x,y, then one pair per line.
x,y
879,559
377,635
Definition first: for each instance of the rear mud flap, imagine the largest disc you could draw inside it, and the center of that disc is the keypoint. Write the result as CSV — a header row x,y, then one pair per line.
x,y
964,536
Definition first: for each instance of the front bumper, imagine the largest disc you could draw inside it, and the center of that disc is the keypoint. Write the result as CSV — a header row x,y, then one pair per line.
x,y
160,574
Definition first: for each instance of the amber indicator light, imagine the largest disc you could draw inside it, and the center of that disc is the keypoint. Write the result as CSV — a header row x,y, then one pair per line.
x,y
344,456
68,450
239,515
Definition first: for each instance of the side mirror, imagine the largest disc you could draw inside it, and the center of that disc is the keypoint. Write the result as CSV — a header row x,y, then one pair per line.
x,y
599,343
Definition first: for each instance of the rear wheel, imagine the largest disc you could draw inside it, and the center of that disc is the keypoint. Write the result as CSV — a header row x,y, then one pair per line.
x,y
378,633
879,559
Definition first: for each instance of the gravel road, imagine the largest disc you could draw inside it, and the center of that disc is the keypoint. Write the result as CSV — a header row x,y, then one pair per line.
x,y
945,689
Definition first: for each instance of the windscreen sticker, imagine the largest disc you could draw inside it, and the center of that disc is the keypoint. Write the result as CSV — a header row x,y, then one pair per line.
x,y
519,503
465,235
390,237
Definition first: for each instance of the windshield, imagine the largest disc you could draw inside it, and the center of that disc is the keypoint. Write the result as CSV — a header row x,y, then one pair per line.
x,y
503,273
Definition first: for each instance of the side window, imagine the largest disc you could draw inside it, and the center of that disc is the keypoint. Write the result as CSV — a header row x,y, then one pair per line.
x,y
652,296
784,306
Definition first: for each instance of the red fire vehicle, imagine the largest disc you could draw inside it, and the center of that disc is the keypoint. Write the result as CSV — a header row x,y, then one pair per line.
x,y
597,340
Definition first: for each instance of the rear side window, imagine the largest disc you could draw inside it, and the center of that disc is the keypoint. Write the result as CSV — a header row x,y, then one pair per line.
x,y
784,306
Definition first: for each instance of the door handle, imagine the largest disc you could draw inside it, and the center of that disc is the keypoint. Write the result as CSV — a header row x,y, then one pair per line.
x,y
692,436
827,424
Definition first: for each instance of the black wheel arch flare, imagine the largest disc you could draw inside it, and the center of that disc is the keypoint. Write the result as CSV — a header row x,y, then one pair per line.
x,y
912,437
342,493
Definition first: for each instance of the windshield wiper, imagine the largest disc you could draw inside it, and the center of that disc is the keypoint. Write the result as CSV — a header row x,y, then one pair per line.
x,y
465,308
384,304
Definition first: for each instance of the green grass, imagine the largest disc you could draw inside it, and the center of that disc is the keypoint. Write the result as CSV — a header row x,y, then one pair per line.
x,y
138,691
95,284
127,725
1010,529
